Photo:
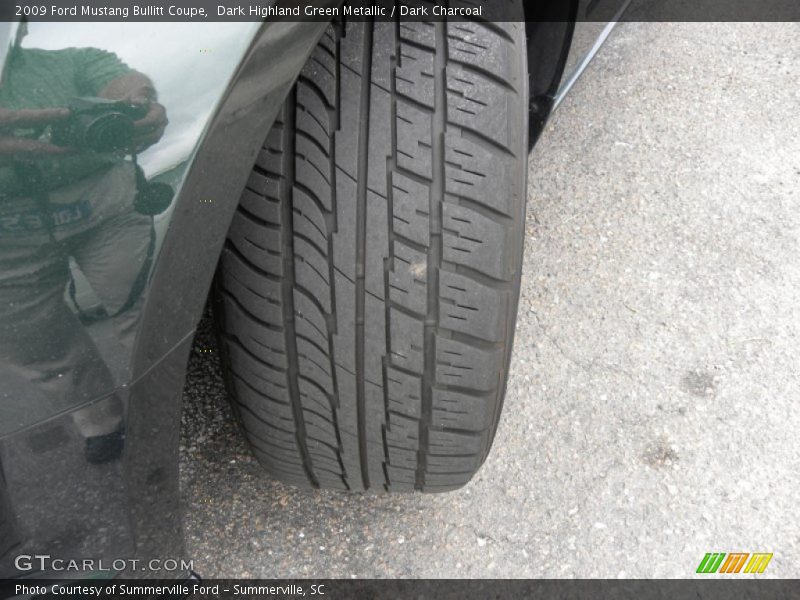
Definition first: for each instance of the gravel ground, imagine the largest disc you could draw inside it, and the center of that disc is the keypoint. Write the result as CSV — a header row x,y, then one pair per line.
x,y
651,414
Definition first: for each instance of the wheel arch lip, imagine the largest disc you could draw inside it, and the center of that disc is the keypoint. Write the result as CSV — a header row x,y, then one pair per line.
x,y
209,195
551,28
139,486
212,157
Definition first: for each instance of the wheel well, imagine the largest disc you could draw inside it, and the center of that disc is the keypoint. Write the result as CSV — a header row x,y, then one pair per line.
x,y
549,27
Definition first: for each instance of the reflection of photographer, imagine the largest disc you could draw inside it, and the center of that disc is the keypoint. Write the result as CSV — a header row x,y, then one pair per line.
x,y
127,103
102,125
98,124
71,124
123,119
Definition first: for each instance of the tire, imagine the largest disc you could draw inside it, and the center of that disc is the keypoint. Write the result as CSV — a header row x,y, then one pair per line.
x,y
368,288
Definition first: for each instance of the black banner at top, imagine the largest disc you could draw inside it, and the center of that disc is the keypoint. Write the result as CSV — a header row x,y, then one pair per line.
x,y
323,10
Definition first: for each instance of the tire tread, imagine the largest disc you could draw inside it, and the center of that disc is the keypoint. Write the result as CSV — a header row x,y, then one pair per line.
x,y
367,292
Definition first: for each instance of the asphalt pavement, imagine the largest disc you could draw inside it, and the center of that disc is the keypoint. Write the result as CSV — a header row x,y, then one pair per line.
x,y
653,407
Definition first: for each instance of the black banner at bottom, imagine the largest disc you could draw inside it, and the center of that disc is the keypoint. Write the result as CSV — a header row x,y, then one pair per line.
x,y
418,589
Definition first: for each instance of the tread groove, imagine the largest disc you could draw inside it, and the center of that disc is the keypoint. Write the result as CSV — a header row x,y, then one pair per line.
x,y
361,248
388,263
287,284
436,199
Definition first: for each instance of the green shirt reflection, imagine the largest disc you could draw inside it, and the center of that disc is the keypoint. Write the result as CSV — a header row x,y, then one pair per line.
x,y
41,79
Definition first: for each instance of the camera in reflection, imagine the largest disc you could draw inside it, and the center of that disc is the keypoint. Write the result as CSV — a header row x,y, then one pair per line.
x,y
98,124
